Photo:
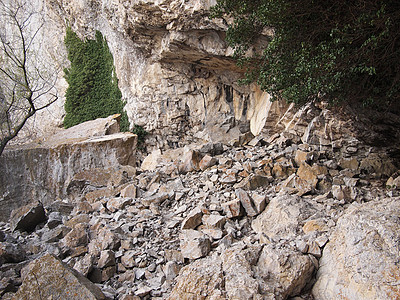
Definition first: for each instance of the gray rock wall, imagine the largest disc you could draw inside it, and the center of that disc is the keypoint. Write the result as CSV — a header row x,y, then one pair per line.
x,y
42,173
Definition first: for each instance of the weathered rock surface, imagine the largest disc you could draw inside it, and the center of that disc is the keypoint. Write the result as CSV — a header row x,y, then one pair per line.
x,y
22,181
283,217
361,259
48,278
27,217
254,224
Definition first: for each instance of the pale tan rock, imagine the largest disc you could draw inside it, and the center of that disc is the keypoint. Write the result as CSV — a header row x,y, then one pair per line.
x,y
202,277
193,219
107,259
314,249
214,221
190,162
78,236
361,259
286,272
151,161
85,265
85,130
156,199
374,163
253,182
239,276
128,259
58,166
283,217
232,209
260,202
78,219
129,191
349,163
206,162
194,244
228,178
48,278
307,174
98,194
115,204
318,225
246,202
174,255
303,157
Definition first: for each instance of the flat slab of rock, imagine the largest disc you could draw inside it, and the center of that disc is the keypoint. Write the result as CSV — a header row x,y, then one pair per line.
x,y
44,172
361,259
48,278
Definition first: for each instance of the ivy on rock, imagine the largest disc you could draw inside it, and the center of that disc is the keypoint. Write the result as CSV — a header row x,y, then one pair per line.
x,y
93,90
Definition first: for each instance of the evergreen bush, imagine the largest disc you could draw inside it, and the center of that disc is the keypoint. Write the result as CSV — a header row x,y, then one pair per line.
x,y
93,85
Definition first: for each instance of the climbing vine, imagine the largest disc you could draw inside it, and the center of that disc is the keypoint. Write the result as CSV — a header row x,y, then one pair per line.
x,y
93,90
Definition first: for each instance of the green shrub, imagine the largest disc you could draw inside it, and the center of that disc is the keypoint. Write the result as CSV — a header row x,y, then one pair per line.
x,y
333,50
140,132
93,86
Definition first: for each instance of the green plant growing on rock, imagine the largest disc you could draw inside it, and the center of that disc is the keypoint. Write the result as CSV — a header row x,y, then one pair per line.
x,y
339,51
140,132
93,90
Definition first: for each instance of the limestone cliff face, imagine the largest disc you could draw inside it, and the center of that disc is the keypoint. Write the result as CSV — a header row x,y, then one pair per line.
x,y
175,70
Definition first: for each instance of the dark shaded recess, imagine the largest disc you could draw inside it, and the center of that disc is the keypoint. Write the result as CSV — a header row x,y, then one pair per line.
x,y
228,93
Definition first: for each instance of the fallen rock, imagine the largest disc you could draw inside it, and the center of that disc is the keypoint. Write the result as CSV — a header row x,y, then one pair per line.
x,y
232,209
206,162
193,219
48,278
214,221
115,204
77,236
238,264
253,182
283,217
129,191
285,272
260,202
190,162
26,218
11,253
58,164
85,265
361,259
246,202
194,244
107,259
200,278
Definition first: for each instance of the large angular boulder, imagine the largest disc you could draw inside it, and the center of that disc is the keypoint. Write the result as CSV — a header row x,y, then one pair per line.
x,y
44,171
48,278
202,277
361,259
27,217
283,217
245,272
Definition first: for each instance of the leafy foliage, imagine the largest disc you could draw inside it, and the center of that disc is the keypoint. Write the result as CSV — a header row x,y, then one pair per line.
x,y
332,50
140,132
93,86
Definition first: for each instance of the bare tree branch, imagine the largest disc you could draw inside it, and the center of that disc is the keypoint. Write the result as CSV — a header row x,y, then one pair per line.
x,y
27,85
